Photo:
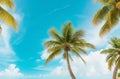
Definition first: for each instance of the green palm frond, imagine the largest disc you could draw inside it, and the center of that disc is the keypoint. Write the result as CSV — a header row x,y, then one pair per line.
x,y
110,64
56,35
75,51
115,42
101,14
102,1
105,29
79,34
51,43
112,20
55,53
52,48
8,3
110,50
79,42
82,51
111,58
89,45
8,18
118,61
67,31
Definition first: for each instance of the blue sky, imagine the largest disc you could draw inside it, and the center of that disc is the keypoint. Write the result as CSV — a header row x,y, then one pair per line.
x,y
24,52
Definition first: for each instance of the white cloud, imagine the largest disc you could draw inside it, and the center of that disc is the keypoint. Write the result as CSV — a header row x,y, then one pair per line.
x,y
11,72
7,54
96,67
44,55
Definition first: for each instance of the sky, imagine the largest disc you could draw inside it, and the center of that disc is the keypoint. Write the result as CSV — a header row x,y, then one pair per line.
x,y
24,55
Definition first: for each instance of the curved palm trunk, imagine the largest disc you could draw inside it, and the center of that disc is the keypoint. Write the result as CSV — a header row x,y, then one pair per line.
x,y
115,72
69,68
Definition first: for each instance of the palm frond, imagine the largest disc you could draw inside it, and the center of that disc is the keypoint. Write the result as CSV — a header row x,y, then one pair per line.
x,y
102,1
56,35
110,64
78,34
74,51
89,45
8,3
53,55
115,43
112,20
77,42
83,51
51,43
101,14
110,50
111,58
67,31
52,48
64,56
118,61
8,18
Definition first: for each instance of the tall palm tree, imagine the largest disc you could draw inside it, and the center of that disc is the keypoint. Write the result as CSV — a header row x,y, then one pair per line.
x,y
110,12
113,55
5,16
69,41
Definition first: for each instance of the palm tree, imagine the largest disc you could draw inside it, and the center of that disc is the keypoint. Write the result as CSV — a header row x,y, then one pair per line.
x,y
6,17
113,55
69,41
110,12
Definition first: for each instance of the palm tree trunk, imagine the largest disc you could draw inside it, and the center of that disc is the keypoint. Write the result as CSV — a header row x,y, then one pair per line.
x,y
115,71
69,68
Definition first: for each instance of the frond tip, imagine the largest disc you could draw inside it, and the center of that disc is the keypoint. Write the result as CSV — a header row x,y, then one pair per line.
x,y
8,3
8,19
53,55
111,21
100,15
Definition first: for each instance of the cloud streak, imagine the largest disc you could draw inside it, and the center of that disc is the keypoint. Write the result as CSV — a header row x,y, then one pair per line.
x,y
7,54
58,9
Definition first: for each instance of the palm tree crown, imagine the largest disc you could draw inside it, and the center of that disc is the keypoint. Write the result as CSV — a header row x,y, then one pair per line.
x,y
110,12
69,40
7,17
113,55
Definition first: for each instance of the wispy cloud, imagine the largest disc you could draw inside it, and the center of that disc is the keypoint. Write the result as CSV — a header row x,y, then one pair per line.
x,y
7,54
58,9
